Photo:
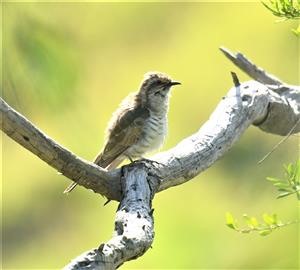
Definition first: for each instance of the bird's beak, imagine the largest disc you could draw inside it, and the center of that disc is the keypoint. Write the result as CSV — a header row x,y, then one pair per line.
x,y
174,83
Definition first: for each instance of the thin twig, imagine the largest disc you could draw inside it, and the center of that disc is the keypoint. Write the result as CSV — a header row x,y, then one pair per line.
x,y
235,79
280,142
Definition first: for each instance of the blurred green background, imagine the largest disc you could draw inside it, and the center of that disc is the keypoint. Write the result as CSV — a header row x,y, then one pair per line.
x,y
66,66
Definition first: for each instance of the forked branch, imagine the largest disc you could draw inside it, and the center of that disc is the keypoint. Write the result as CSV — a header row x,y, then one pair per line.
x,y
265,102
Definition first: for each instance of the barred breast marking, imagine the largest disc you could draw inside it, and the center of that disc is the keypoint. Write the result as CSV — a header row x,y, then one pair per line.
x,y
152,137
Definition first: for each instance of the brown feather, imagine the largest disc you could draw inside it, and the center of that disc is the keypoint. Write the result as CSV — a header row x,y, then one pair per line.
x,y
132,130
124,131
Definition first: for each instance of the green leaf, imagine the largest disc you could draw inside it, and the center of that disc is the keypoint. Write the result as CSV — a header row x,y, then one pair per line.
x,y
287,9
254,222
291,183
270,224
251,222
245,231
289,168
230,222
282,185
269,220
284,194
275,218
290,190
246,217
274,180
265,232
297,164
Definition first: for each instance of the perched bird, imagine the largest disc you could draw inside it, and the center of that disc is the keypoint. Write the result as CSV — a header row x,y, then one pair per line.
x,y
139,125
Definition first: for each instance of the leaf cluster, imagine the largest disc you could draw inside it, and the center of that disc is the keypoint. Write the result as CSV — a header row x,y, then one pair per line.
x,y
268,225
288,186
291,184
287,9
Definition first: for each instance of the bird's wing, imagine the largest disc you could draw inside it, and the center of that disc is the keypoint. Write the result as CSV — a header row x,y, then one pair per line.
x,y
124,132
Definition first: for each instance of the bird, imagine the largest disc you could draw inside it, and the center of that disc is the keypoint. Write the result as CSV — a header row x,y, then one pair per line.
x,y
139,125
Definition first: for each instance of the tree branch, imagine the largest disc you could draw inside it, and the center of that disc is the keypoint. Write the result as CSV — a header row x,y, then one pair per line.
x,y
283,111
251,69
134,230
273,108
79,170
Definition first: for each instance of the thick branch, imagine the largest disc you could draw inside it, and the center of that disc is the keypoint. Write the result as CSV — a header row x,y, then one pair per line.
x,y
244,105
25,133
250,103
284,109
273,108
134,231
241,107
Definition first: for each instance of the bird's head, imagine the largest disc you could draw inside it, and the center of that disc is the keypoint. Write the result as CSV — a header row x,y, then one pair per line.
x,y
155,89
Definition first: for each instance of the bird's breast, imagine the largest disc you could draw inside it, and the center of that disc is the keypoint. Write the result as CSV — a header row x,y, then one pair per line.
x,y
152,137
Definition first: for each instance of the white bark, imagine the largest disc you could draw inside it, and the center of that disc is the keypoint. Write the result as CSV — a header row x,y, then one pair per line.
x,y
273,108
134,230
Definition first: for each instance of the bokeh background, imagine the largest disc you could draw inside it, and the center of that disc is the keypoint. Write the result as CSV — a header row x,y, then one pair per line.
x,y
66,66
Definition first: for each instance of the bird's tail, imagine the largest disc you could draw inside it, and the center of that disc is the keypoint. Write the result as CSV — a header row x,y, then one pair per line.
x,y
101,163
70,188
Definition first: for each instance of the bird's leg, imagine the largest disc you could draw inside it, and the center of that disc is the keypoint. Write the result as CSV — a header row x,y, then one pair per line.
x,y
129,157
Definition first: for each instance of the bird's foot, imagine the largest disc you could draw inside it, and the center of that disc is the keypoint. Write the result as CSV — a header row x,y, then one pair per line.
x,y
151,161
143,159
